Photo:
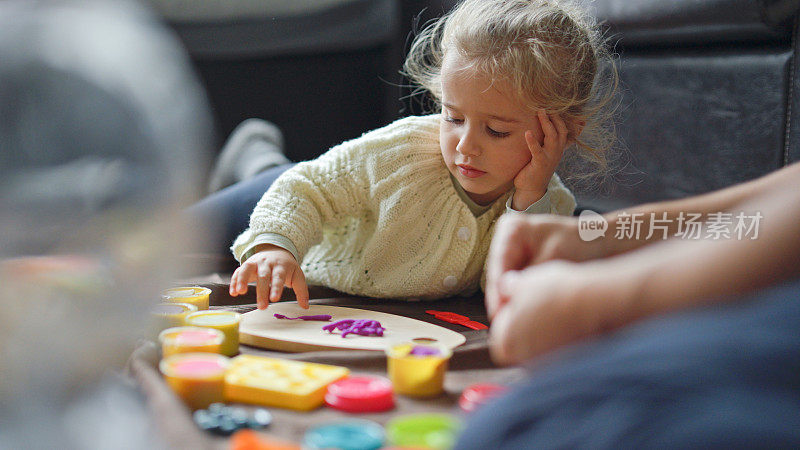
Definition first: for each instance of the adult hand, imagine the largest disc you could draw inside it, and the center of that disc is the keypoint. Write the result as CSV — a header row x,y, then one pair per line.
x,y
551,305
522,240
532,180
272,268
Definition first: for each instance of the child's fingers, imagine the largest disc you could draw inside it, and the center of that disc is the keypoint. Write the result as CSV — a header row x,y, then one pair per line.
x,y
278,277
298,283
554,142
262,292
563,132
550,132
263,274
243,275
232,290
537,152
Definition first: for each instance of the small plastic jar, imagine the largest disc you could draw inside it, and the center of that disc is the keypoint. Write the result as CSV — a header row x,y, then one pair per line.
x,y
431,431
197,378
167,315
194,295
356,434
190,340
225,321
417,369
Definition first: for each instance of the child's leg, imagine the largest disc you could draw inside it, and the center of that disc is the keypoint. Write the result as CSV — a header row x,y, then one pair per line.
x,y
226,213
722,377
254,146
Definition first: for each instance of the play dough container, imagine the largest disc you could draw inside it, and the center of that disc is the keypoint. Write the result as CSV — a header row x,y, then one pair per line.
x,y
168,315
197,378
194,295
278,382
349,435
225,321
190,340
417,370
430,431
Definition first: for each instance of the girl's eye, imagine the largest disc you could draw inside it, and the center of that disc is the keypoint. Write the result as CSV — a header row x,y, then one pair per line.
x,y
452,119
498,134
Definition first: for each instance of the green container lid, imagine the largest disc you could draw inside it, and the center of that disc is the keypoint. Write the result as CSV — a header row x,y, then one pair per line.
x,y
436,431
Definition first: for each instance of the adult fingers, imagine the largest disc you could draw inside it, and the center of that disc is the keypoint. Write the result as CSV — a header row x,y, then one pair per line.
x,y
510,250
542,314
515,335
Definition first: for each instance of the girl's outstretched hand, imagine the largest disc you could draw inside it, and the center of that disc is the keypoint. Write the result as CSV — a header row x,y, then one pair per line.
x,y
531,182
271,268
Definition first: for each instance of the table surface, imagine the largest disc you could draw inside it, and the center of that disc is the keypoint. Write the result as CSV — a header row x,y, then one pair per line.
x,y
469,364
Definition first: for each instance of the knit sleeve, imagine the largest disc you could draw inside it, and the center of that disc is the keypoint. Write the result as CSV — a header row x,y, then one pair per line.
x,y
305,197
562,202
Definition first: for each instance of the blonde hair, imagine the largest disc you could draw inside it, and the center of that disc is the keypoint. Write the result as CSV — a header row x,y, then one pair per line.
x,y
551,53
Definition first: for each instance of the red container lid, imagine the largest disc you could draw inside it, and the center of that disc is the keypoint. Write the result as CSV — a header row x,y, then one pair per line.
x,y
360,394
476,395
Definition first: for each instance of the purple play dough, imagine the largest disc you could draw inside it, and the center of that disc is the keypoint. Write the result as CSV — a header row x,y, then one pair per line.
x,y
423,351
361,327
320,317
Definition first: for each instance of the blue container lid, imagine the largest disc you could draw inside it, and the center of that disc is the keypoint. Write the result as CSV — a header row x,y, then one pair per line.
x,y
351,435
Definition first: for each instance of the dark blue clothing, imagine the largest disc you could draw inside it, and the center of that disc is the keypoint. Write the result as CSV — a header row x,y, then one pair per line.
x,y
726,376
226,213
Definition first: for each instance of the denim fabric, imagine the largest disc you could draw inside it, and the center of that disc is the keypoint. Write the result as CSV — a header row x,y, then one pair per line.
x,y
226,213
720,377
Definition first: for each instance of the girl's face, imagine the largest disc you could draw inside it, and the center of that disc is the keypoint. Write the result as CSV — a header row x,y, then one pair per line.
x,y
482,132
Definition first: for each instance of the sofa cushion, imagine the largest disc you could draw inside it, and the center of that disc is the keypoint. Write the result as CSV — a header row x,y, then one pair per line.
x,y
236,28
670,22
693,122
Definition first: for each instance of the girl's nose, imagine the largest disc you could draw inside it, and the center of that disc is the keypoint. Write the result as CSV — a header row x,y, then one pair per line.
x,y
467,144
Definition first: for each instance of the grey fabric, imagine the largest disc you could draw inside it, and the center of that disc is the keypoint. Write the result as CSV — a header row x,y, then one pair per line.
x,y
659,22
692,122
232,10
322,77
707,95
791,151
340,27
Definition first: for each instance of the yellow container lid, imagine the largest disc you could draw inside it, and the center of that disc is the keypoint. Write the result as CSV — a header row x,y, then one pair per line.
x,y
215,317
176,293
191,336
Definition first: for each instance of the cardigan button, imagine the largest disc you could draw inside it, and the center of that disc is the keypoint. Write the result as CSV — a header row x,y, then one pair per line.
x,y
463,233
450,281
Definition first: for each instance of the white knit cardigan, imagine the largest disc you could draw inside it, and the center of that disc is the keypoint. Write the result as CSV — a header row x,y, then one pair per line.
x,y
379,216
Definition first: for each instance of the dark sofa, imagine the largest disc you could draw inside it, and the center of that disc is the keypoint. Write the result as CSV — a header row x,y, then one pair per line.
x,y
708,93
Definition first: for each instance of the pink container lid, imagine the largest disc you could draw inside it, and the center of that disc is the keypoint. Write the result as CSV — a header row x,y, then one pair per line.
x,y
361,394
194,365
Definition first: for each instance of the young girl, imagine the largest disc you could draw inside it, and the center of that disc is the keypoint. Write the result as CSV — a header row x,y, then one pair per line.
x,y
408,210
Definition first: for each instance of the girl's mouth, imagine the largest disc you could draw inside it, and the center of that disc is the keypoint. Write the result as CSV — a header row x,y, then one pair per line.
x,y
469,171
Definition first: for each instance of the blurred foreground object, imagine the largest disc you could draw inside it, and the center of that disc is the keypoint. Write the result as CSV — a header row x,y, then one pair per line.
x,y
101,125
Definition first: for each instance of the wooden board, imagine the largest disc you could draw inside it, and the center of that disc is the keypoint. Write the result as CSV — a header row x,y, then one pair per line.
x,y
260,328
